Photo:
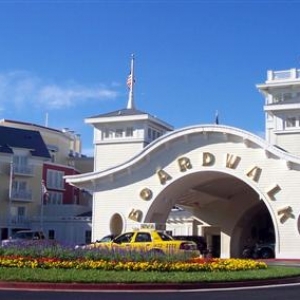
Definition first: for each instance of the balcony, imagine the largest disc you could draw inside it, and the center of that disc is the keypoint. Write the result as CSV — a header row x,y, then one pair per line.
x,y
21,195
21,221
287,75
23,170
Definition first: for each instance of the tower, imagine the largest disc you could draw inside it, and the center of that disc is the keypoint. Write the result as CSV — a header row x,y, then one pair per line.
x,y
282,109
121,134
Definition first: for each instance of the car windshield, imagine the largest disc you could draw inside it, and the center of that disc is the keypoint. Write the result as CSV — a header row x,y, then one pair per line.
x,y
106,238
23,235
124,238
164,236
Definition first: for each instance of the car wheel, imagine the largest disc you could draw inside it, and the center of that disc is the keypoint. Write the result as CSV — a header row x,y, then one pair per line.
x,y
266,253
247,253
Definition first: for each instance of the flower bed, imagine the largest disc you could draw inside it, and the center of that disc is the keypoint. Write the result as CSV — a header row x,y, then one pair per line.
x,y
65,257
194,265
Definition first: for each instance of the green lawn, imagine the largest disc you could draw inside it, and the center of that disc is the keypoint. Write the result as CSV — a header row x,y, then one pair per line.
x,y
100,276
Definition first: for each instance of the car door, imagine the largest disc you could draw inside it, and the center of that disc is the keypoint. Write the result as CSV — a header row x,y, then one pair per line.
x,y
142,242
123,241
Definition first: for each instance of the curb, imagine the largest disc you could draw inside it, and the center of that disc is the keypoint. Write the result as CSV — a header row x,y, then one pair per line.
x,y
142,286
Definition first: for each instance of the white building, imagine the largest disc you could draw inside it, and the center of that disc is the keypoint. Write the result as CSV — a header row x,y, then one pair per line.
x,y
282,108
233,185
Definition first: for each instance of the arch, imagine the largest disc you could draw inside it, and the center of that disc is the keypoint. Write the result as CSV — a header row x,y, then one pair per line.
x,y
231,188
89,181
175,163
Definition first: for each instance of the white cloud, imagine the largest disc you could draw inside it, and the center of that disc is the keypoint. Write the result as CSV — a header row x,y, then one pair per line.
x,y
22,88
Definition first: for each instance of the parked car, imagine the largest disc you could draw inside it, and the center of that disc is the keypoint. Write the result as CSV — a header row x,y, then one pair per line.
x,y
259,250
149,241
199,240
264,250
105,239
28,237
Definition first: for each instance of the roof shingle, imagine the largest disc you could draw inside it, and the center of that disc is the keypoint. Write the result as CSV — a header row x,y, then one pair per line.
x,y
22,138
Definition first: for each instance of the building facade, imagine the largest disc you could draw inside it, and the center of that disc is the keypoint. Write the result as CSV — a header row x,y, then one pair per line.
x,y
231,185
40,197
282,109
22,154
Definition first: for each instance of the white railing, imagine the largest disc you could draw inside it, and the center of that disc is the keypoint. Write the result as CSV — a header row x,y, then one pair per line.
x,y
20,220
21,195
23,169
284,75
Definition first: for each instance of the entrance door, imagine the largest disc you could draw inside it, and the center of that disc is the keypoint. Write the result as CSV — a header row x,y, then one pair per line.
x,y
216,245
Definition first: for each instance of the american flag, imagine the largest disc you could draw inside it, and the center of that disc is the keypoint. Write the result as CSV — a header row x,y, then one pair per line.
x,y
129,81
45,194
217,118
44,189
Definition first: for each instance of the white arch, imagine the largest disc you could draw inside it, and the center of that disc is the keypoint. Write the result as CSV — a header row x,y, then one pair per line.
x,y
245,136
248,182
126,180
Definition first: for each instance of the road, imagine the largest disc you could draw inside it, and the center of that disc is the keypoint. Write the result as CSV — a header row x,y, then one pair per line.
x,y
290,291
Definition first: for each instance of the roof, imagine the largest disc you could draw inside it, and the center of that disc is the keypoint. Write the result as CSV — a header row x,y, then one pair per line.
x,y
121,112
28,124
127,114
21,138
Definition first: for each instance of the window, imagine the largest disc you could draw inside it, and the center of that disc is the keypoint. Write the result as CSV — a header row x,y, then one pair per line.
x,y
21,213
124,238
21,164
164,236
277,98
18,214
19,185
55,179
54,198
129,131
88,236
291,122
153,134
143,237
119,133
51,234
20,160
107,134
285,97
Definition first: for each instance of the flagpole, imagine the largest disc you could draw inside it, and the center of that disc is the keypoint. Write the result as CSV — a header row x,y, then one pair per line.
x,y
42,210
130,83
43,193
11,178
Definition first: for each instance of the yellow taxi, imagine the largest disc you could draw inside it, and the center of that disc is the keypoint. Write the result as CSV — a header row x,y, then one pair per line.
x,y
149,241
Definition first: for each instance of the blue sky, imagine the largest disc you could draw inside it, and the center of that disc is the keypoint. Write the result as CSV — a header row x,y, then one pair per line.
x,y
70,59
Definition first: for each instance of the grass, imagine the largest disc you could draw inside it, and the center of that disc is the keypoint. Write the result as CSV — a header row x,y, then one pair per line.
x,y
15,268
100,276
